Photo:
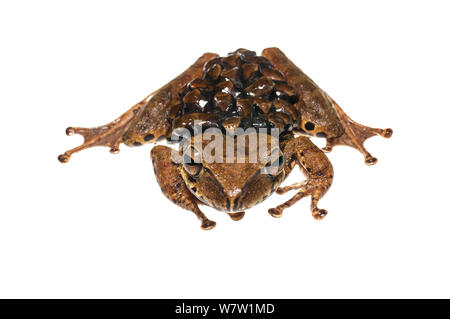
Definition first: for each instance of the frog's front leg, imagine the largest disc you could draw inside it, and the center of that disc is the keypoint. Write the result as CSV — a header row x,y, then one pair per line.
x,y
145,122
316,167
172,185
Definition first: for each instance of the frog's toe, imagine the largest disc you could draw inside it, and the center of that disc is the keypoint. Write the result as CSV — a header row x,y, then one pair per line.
x,y
276,212
108,135
114,150
236,216
319,214
387,133
208,224
327,149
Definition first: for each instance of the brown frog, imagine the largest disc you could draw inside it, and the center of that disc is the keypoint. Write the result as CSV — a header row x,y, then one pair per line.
x,y
245,100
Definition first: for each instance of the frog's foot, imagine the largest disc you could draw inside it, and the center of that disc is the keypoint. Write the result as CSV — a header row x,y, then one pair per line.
x,y
316,167
236,216
207,224
314,188
109,135
277,212
355,134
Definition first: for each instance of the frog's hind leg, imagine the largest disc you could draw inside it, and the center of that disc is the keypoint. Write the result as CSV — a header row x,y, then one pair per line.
x,y
172,184
355,134
320,115
145,122
316,167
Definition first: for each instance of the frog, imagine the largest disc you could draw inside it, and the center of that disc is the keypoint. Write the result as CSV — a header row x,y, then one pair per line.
x,y
263,104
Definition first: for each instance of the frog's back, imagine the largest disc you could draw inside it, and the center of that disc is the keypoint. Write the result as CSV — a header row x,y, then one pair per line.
x,y
241,90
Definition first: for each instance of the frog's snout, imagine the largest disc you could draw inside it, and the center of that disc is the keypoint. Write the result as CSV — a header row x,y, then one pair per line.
x,y
236,201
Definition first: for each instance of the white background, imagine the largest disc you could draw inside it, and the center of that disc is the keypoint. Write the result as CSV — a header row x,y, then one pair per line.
x,y
100,227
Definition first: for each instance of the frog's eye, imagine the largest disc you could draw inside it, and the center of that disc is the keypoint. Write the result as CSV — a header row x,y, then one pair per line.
x,y
190,166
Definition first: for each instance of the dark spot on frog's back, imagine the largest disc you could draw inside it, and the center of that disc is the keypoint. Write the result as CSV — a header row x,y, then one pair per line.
x,y
239,85
321,134
137,143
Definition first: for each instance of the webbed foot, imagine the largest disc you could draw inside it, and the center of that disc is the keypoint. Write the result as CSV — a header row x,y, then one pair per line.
x,y
319,214
315,188
276,212
355,135
109,135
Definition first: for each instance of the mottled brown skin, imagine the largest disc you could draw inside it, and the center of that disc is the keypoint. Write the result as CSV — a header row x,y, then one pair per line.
x,y
235,185
172,185
240,90
144,122
318,108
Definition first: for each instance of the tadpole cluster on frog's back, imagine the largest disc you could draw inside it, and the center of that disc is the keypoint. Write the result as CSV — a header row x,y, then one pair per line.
x,y
241,90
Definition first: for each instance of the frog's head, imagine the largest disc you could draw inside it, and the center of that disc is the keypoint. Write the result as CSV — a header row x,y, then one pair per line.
x,y
235,183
